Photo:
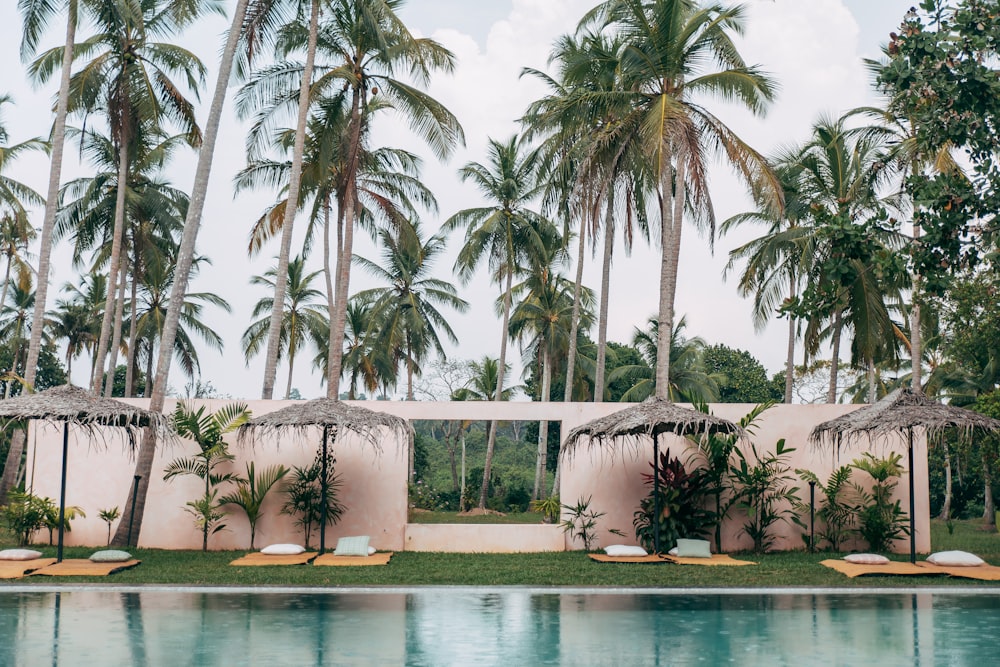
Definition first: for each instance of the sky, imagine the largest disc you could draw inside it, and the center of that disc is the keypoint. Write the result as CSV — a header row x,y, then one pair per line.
x,y
814,51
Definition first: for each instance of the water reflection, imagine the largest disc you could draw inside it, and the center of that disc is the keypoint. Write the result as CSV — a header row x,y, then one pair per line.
x,y
444,626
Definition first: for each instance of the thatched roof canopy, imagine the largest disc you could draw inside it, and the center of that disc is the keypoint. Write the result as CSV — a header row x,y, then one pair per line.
x,y
319,413
80,408
900,411
652,417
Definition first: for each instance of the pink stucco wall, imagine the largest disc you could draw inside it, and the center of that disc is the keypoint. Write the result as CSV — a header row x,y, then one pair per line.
x,y
374,483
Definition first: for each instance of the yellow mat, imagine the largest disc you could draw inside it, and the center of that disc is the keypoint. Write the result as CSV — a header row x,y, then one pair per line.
x,y
891,568
258,558
15,569
982,572
650,558
380,558
81,567
716,559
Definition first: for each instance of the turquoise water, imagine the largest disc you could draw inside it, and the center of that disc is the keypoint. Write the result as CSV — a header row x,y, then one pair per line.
x,y
512,627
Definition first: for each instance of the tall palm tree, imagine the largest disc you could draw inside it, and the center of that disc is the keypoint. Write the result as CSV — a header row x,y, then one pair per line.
x,y
74,323
300,320
542,317
136,503
505,234
406,312
675,54
365,361
127,79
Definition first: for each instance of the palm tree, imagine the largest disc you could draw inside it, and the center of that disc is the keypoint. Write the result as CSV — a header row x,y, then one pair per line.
x,y
252,490
543,317
74,323
364,360
407,311
128,79
505,233
299,322
688,379
136,503
207,430
669,49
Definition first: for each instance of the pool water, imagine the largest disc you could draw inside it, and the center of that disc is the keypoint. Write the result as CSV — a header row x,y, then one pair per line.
x,y
512,627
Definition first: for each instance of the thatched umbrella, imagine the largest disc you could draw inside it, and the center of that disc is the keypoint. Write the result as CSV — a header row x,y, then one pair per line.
x,y
72,405
902,411
332,417
651,418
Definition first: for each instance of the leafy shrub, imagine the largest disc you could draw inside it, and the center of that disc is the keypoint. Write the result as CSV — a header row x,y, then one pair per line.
x,y
682,496
581,522
836,514
424,497
304,495
25,513
880,519
761,489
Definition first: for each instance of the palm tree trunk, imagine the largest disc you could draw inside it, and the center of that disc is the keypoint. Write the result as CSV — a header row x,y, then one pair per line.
x,y
133,329
672,210
16,451
147,392
838,325
574,326
602,322
409,367
491,438
543,427
116,338
114,264
989,509
328,274
291,369
946,505
790,358
182,273
916,338
291,206
872,383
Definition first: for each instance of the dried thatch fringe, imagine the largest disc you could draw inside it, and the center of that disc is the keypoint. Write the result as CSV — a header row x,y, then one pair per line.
x,y
645,419
320,412
83,409
900,411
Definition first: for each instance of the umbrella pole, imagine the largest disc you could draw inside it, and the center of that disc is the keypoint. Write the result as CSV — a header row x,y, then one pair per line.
x,y
322,494
656,494
913,537
62,492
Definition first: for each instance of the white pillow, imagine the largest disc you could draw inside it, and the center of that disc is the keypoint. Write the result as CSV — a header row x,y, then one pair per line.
x,y
672,552
283,549
624,551
955,559
20,554
371,550
110,556
866,559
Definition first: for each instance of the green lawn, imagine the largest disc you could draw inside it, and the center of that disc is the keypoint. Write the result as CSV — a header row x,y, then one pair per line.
x,y
552,569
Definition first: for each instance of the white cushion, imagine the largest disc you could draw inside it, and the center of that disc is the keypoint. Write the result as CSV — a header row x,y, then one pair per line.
x,y
693,548
110,556
20,554
866,559
283,549
371,550
352,546
955,559
672,552
624,551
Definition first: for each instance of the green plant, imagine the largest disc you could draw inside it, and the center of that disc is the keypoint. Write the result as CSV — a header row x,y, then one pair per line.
x,y
549,508
761,489
681,504
582,522
304,495
24,514
423,496
251,491
52,517
880,519
208,431
836,514
108,516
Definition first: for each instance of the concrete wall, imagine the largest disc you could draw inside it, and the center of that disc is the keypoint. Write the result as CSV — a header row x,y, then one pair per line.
x,y
374,482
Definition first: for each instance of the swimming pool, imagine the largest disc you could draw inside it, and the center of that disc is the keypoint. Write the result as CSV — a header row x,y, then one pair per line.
x,y
511,626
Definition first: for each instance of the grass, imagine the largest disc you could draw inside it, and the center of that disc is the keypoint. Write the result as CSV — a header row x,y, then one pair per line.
x,y
785,569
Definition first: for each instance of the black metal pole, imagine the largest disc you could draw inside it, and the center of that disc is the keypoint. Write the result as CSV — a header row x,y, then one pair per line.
x,y
322,494
656,494
812,516
62,492
913,536
131,514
